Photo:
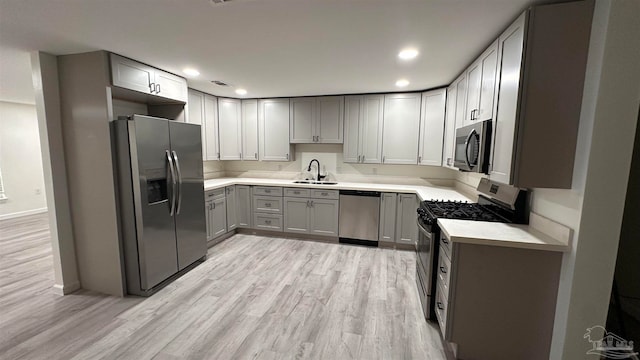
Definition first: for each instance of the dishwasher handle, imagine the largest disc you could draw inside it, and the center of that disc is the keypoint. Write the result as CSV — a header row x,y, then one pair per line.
x,y
360,193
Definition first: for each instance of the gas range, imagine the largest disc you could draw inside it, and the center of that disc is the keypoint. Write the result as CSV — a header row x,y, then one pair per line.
x,y
430,210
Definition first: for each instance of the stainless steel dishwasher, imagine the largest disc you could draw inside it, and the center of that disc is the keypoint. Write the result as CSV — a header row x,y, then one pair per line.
x,y
359,217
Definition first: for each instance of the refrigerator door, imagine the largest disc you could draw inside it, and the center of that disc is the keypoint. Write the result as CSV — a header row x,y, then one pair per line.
x,y
191,231
152,171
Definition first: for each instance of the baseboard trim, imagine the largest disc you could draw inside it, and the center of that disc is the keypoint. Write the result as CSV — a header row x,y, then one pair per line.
x,y
22,213
62,290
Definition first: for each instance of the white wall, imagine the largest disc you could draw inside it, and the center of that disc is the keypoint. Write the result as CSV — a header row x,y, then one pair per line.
x,y
20,160
331,160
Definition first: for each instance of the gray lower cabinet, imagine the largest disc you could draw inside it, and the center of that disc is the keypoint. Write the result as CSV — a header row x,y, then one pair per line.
x,y
296,215
485,296
218,218
406,226
232,207
267,208
388,204
243,206
318,216
324,217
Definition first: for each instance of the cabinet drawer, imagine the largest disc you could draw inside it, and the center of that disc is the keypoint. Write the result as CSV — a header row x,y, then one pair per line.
x,y
444,274
297,192
441,311
267,221
214,194
445,246
325,194
267,190
267,204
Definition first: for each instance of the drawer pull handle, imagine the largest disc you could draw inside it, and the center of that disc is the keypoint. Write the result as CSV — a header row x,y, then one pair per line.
x,y
445,241
267,205
443,269
440,306
324,194
267,221
267,191
296,192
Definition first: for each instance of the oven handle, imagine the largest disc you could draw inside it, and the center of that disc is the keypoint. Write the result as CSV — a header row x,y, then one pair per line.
x,y
423,230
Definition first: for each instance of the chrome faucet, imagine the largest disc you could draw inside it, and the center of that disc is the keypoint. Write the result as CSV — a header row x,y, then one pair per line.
x,y
319,177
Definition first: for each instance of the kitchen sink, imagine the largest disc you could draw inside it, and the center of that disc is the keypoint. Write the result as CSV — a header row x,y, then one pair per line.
x,y
314,182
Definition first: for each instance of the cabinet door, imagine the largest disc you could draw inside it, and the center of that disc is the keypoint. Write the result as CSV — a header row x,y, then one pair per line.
x,y
461,100
352,118
510,45
489,63
296,214
401,128
406,226
132,75
219,222
208,207
302,120
170,86
243,206
232,208
432,127
250,130
449,128
273,121
329,126
230,125
195,111
324,217
387,231
371,129
474,83
211,127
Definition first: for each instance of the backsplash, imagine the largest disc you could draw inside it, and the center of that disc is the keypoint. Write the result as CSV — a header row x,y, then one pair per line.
x,y
331,162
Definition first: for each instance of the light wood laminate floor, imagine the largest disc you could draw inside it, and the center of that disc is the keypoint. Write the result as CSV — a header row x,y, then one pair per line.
x,y
254,298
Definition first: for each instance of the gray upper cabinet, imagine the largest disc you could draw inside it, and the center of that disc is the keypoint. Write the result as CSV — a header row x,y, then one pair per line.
x,y
406,226
449,128
273,126
324,217
230,125
202,109
232,207
363,127
461,100
432,121
317,120
489,64
388,204
243,206
250,130
401,120
132,75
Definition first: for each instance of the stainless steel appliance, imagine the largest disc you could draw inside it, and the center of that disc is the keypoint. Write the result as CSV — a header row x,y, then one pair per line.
x,y
473,146
496,203
359,217
160,200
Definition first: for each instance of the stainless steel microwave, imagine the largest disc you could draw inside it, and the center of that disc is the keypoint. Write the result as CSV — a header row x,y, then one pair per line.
x,y
473,146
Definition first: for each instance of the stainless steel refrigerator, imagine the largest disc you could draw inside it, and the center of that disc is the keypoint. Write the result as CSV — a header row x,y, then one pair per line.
x,y
160,200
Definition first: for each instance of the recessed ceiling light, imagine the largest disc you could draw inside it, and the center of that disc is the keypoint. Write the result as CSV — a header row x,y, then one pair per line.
x,y
402,83
241,91
408,54
191,72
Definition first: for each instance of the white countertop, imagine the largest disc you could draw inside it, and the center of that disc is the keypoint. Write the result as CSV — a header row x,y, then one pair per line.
x,y
423,192
499,234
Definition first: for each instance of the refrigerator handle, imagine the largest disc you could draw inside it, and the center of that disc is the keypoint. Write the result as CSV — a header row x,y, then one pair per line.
x,y
172,203
175,158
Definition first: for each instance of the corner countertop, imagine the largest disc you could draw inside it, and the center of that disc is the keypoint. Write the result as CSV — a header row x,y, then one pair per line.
x,y
423,192
500,234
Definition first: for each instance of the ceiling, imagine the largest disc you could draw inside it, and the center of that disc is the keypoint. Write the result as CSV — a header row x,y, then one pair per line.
x,y
269,47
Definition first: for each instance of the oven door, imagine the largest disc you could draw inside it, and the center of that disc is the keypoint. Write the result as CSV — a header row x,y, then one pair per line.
x,y
425,258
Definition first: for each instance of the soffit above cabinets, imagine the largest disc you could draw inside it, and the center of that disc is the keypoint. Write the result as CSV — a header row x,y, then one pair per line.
x,y
273,48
